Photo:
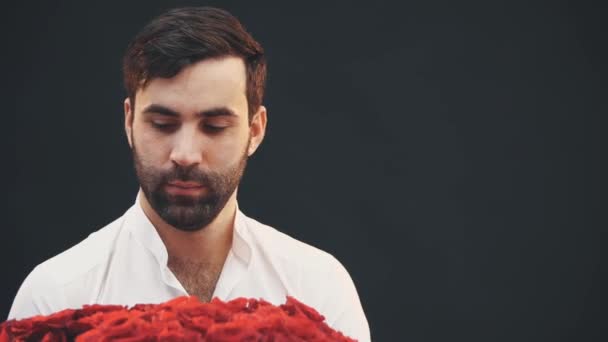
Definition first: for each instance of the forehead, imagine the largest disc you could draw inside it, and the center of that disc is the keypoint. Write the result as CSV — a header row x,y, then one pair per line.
x,y
207,84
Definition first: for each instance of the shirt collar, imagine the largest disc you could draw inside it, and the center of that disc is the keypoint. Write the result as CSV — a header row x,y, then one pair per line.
x,y
143,230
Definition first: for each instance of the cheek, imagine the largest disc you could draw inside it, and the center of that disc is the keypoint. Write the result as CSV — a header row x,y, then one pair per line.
x,y
228,150
150,148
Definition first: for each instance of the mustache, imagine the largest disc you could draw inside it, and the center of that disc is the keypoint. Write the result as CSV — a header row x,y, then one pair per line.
x,y
187,174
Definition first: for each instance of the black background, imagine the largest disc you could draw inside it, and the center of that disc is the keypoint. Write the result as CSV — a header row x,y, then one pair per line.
x,y
450,154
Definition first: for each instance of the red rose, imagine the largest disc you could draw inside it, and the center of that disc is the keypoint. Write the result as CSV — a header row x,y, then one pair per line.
x,y
180,319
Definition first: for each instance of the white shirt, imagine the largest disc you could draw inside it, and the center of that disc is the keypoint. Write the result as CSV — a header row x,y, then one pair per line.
x,y
125,263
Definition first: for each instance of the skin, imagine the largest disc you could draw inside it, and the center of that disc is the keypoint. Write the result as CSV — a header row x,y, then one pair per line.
x,y
192,140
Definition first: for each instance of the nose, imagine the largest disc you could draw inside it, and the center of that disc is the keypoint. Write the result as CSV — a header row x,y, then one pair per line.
x,y
186,149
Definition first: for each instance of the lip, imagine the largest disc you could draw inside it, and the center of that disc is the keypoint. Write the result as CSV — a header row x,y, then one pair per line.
x,y
185,185
180,188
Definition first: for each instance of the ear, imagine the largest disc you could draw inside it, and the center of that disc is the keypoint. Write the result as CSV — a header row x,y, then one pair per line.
x,y
128,120
257,130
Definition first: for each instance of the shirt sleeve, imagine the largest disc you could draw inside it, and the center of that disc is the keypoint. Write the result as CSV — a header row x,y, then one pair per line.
x,y
29,300
344,310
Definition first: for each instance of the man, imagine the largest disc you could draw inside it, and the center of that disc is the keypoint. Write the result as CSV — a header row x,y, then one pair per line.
x,y
193,115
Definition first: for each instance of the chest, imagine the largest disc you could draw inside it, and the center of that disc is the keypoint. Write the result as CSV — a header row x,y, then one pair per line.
x,y
198,278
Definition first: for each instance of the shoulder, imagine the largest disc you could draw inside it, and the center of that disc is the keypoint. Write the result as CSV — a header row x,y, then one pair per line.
x,y
44,290
84,256
288,250
313,276
303,267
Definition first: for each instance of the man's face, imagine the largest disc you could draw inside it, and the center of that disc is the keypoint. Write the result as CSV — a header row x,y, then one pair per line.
x,y
191,138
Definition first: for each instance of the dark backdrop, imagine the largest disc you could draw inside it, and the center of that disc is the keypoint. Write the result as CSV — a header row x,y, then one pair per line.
x,y
450,154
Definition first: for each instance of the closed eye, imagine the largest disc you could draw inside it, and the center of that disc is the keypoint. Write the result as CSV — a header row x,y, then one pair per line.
x,y
163,126
214,128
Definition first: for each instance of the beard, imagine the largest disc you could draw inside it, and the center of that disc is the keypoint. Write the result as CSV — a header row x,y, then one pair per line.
x,y
188,213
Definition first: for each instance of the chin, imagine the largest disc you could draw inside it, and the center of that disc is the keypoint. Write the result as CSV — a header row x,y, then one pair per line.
x,y
189,219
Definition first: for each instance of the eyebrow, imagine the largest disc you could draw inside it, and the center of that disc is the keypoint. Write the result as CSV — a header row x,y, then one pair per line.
x,y
213,112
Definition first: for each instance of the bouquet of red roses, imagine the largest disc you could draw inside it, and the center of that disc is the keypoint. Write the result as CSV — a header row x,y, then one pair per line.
x,y
181,319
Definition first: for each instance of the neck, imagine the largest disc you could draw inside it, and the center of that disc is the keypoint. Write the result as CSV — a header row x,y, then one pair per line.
x,y
208,244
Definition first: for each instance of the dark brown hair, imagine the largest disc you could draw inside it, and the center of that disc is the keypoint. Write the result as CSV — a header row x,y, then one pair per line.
x,y
184,36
